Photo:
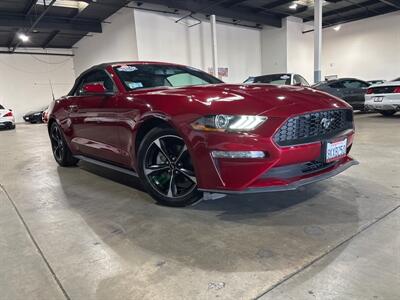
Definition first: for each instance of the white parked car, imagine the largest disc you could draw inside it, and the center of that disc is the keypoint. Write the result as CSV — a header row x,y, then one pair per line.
x,y
7,119
384,98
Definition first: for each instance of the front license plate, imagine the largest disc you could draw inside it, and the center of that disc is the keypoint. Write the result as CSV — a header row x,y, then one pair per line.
x,y
378,99
335,150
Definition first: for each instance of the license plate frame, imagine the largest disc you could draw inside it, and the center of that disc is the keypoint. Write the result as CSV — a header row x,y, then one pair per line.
x,y
378,98
329,146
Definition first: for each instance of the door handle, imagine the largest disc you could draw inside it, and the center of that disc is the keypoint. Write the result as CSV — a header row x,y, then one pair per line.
x,y
73,108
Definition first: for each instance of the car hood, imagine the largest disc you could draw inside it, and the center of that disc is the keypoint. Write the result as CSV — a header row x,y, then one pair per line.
x,y
253,98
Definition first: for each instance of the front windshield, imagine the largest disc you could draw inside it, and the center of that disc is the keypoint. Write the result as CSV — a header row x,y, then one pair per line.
x,y
143,76
279,79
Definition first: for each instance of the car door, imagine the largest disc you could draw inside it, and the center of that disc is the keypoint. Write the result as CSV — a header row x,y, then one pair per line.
x,y
94,119
354,92
334,88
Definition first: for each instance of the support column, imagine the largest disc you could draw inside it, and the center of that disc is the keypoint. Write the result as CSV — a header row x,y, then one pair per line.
x,y
317,39
214,44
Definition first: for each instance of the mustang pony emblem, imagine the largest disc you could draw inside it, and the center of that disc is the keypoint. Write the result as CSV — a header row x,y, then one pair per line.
x,y
325,122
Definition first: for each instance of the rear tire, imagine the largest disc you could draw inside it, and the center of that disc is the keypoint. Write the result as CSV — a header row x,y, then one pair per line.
x,y
165,168
61,152
387,113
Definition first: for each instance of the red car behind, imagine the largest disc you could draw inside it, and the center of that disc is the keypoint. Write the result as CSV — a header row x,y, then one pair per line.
x,y
185,132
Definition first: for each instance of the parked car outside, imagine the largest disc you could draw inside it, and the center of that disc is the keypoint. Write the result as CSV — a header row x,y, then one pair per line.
x,y
185,132
384,98
279,79
351,90
34,116
7,119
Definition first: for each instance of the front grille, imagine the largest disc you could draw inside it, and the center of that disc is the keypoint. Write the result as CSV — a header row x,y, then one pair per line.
x,y
383,89
313,127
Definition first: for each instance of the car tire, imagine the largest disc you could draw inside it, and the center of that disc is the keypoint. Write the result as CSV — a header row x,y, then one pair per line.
x,y
165,168
61,152
12,126
387,113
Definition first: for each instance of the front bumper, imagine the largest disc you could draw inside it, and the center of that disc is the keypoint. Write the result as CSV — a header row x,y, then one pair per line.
x,y
243,175
295,183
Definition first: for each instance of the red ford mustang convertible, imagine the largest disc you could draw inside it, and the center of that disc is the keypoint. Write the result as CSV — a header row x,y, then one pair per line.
x,y
184,132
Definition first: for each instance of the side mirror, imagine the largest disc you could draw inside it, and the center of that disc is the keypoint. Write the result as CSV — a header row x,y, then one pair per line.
x,y
96,89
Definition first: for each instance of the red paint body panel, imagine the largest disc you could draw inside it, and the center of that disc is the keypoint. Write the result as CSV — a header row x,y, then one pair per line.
x,y
105,127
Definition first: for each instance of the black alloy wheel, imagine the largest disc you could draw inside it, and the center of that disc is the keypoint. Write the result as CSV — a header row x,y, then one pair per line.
x,y
166,169
60,149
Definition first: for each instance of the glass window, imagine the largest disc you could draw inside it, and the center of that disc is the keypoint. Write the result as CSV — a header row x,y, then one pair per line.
x,y
336,85
397,79
1,107
185,79
152,75
303,81
296,80
98,76
278,79
354,84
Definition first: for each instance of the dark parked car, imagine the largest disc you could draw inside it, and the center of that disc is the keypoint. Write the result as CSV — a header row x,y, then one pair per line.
x,y
34,116
351,90
279,79
185,132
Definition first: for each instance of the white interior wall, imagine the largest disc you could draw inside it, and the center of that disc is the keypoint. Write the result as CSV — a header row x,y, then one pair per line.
x,y
159,38
274,49
25,80
117,42
367,49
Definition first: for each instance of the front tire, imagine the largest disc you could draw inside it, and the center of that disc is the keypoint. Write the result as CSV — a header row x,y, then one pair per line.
x,y
165,168
61,152
387,113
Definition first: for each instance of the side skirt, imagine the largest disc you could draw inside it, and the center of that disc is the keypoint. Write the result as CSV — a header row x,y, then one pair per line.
x,y
106,165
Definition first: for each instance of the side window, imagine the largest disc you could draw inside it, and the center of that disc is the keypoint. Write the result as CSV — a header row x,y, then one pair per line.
x,y
336,85
296,80
184,79
354,84
303,81
98,76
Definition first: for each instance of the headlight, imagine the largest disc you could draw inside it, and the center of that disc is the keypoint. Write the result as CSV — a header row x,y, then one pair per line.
x,y
228,123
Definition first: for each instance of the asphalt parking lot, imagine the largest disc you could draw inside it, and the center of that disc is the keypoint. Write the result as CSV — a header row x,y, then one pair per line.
x,y
91,233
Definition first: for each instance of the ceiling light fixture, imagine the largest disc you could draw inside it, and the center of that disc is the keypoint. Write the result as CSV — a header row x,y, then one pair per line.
x,y
23,37
293,6
337,27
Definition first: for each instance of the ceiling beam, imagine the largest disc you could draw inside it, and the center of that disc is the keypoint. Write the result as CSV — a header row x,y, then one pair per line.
x,y
208,7
12,21
230,3
276,4
393,3
345,9
357,16
37,20
51,37
29,7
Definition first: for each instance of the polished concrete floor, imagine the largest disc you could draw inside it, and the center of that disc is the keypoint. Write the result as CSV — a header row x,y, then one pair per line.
x,y
90,233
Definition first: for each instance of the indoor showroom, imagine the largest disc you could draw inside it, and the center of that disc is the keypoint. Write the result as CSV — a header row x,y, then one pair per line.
x,y
200,149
